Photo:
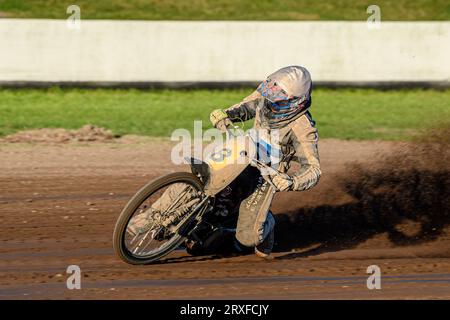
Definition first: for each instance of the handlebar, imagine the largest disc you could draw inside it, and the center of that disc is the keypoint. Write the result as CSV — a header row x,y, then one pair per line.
x,y
233,130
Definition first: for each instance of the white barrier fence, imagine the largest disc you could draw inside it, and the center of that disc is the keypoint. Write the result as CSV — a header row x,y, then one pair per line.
x,y
170,52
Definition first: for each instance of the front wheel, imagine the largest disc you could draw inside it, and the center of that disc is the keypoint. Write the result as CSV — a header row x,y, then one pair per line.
x,y
147,228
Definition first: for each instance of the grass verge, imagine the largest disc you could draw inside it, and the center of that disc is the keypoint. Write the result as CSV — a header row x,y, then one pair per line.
x,y
343,113
228,9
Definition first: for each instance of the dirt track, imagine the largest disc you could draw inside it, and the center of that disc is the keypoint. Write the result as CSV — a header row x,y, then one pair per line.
x,y
59,203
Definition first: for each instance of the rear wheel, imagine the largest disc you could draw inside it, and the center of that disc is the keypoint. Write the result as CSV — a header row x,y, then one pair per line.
x,y
147,228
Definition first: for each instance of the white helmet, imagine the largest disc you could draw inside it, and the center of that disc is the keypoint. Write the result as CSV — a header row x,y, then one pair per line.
x,y
288,93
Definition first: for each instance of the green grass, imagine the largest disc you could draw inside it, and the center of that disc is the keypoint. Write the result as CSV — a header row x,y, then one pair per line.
x,y
344,113
228,9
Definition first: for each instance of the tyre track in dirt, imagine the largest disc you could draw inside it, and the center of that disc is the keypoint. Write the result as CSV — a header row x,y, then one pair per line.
x,y
59,203
303,282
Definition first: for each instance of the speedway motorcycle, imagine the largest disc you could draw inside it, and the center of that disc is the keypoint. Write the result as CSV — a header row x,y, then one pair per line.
x,y
194,210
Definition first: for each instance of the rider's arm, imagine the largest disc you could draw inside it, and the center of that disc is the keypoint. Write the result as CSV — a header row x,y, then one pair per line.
x,y
306,152
246,109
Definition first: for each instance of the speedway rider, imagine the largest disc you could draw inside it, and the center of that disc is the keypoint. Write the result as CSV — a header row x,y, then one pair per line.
x,y
281,102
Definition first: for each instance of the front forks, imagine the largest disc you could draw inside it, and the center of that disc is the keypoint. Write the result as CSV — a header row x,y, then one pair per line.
x,y
189,223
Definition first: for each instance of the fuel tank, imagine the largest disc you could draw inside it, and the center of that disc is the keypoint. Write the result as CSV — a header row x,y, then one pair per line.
x,y
227,161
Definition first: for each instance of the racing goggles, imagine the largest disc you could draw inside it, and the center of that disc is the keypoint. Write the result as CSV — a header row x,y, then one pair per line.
x,y
286,107
279,102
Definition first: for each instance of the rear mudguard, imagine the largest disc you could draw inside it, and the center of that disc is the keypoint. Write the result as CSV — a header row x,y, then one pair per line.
x,y
201,169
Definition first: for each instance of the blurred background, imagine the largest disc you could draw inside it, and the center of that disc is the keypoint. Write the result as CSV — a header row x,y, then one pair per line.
x,y
380,69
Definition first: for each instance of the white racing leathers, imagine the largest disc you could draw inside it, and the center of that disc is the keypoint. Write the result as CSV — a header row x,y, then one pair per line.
x,y
298,139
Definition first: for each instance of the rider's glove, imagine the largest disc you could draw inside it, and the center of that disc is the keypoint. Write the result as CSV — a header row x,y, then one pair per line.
x,y
282,183
219,119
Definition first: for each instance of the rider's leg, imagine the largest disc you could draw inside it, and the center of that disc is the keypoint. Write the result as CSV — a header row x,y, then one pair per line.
x,y
256,223
264,248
